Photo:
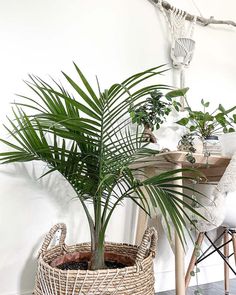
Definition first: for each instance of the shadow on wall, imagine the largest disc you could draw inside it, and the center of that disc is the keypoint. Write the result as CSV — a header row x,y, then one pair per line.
x,y
27,277
165,248
36,204
54,183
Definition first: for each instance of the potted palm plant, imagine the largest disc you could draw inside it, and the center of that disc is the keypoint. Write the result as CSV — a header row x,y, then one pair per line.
x,y
86,136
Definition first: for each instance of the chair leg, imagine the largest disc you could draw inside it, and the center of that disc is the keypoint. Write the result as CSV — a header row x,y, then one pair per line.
x,y
234,244
193,260
226,267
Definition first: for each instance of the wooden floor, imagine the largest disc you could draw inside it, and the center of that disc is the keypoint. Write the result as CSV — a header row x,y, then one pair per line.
x,y
216,288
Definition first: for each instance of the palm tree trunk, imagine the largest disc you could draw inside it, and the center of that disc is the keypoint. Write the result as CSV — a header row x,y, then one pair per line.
x,y
97,251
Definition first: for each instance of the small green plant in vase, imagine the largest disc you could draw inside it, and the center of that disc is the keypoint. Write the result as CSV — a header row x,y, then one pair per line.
x,y
208,125
153,111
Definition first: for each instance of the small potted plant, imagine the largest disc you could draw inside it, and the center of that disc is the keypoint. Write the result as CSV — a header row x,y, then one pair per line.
x,y
153,111
86,137
207,126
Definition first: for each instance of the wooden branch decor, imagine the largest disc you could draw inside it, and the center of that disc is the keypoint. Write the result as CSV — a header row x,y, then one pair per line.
x,y
200,20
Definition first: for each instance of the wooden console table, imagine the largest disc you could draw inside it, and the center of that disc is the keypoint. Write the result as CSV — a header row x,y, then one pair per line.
x,y
176,160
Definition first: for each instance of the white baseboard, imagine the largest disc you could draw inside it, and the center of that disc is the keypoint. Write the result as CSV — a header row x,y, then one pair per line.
x,y
23,293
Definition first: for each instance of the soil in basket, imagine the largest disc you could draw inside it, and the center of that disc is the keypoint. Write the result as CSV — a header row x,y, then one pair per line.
x,y
83,265
80,261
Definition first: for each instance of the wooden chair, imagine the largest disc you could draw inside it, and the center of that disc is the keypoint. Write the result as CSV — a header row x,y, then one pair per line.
x,y
229,235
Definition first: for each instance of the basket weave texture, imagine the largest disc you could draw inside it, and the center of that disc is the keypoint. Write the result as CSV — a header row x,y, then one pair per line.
x,y
132,280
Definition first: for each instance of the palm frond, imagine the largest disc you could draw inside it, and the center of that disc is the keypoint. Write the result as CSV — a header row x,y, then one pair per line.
x,y
87,138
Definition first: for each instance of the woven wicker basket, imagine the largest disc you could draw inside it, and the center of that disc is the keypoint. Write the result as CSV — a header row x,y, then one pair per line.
x,y
132,280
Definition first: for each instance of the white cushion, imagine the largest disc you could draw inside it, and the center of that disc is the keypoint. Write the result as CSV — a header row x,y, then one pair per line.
x,y
230,210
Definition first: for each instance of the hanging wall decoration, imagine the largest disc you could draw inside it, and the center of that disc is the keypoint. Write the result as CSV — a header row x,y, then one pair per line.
x,y
181,25
199,19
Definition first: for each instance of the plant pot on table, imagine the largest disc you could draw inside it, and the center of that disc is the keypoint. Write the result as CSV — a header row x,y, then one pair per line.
x,y
207,146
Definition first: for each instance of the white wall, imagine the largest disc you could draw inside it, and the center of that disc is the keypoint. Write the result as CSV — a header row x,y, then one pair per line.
x,y
111,39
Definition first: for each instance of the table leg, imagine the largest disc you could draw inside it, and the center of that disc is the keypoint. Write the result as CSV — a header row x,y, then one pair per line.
x,y
179,257
142,221
193,259
179,251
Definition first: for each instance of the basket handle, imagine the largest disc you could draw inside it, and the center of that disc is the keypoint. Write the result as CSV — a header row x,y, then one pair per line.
x,y
50,235
150,236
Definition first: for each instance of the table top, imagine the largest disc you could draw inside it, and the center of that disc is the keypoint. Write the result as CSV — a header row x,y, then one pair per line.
x,y
213,166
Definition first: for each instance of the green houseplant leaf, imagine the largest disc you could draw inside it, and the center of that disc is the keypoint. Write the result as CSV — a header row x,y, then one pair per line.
x,y
177,93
